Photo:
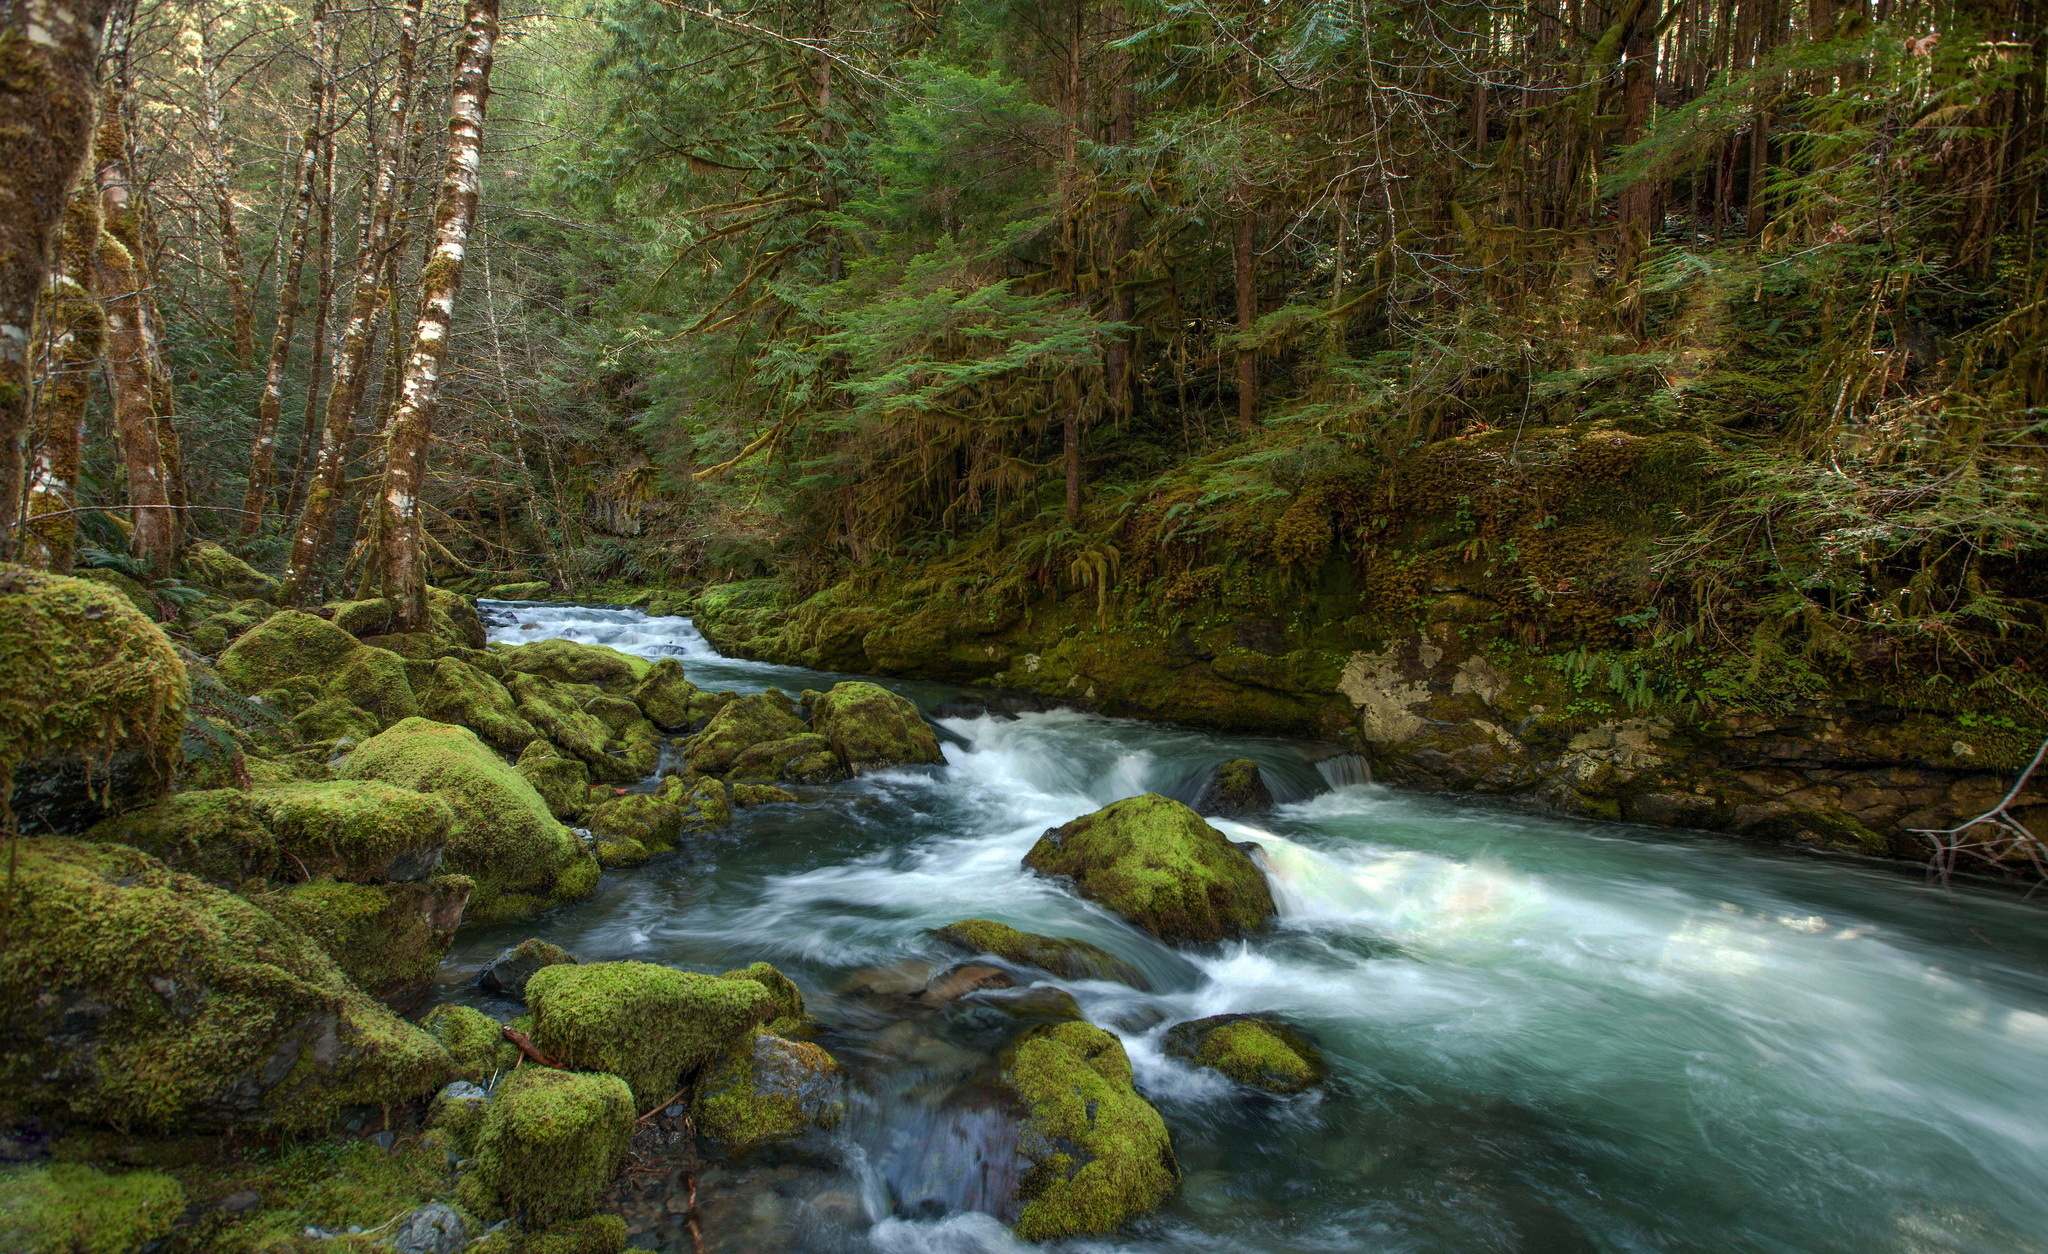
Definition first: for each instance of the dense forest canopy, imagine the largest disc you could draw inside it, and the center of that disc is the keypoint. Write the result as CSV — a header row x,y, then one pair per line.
x,y
1142,301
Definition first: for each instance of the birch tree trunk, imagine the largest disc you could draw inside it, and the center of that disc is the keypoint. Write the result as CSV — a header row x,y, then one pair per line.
x,y
46,124
74,331
270,406
399,548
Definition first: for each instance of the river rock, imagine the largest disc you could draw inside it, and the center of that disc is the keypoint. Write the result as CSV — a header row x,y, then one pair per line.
x,y
508,973
568,662
388,938
870,727
741,723
549,1144
475,1042
435,1228
649,1024
768,1089
958,981
1257,1052
1155,862
1062,956
1234,789
804,759
664,695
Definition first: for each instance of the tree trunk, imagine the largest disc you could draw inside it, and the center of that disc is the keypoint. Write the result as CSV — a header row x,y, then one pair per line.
x,y
46,125
220,181
74,330
1243,264
399,548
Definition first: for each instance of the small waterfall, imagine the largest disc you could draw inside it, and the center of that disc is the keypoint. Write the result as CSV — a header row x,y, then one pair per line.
x,y
1346,770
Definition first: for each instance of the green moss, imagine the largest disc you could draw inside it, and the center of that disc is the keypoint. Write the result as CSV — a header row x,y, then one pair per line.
x,y
789,1017
1095,1153
650,1024
67,1208
138,995
330,1184
759,794
375,680
1156,863
564,783
1255,1052
287,644
508,973
597,1234
663,694
130,590
645,818
743,722
536,591
212,833
805,759
459,693
568,662
767,1089
335,718
556,709
871,727
85,677
1062,956
551,1141
1234,789
211,633
474,1040
388,938
357,830
504,836
208,565
458,1113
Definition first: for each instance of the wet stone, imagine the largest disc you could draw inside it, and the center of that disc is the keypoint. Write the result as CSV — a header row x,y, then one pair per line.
x,y
432,1229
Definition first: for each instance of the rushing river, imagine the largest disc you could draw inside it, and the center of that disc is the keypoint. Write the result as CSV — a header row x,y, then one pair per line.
x,y
1550,1035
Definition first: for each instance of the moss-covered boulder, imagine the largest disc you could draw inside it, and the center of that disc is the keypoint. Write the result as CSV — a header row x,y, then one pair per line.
x,y
1094,1154
551,1141
759,794
388,938
213,632
663,695
504,836
567,662
70,1208
1156,863
287,644
456,692
508,973
1258,1053
209,566
475,1042
375,680
534,591
789,1017
212,833
137,995
648,818
92,702
650,1024
556,710
363,831
1233,790
562,782
335,718
804,759
1062,956
871,727
768,1089
742,723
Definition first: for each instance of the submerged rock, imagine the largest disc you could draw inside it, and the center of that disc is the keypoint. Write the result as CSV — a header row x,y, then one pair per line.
x,y
549,1144
508,973
1155,862
769,1089
1062,956
958,981
70,1208
1094,1153
870,727
1233,790
649,1024
1259,1053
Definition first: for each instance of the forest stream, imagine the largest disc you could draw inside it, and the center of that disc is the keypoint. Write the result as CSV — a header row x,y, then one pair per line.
x,y
1546,1034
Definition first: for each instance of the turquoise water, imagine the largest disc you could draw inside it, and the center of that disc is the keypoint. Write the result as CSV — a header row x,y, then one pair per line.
x,y
1549,1035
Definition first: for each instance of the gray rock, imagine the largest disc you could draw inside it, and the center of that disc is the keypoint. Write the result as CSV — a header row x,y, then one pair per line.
x,y
431,1229
1234,789
508,973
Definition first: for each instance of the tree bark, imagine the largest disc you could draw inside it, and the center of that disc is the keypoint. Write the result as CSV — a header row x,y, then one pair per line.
x,y
1243,265
220,181
74,331
399,547
46,124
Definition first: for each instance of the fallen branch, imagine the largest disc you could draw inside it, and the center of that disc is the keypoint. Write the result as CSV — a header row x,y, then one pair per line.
x,y
527,1047
2008,835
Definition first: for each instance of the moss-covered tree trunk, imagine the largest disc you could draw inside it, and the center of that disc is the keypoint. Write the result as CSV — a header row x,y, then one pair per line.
x,y
47,53
74,330
399,543
220,184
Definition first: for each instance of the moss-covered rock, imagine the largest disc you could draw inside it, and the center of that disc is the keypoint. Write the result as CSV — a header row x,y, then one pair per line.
x,y
212,633
663,695
593,1234
375,680
804,759
212,833
535,591
789,1017
647,818
70,1208
208,565
287,644
1156,863
458,1114
759,794
743,722
138,995
363,831
388,938
1062,956
456,692
1259,1053
475,1042
1233,790
1094,1153
871,727
454,619
768,1089
567,662
650,1024
508,973
504,836
92,702
556,710
562,782
551,1141
335,718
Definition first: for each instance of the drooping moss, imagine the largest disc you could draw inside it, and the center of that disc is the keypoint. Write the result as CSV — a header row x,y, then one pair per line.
x,y
1062,956
1156,863
388,938
362,831
650,1024
567,662
504,836
212,833
804,759
743,722
92,701
210,566
287,644
136,994
1234,789
564,783
871,727
766,1088
1259,1053
663,694
70,1208
375,680
474,1041
1095,1154
508,973
536,591
552,1140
